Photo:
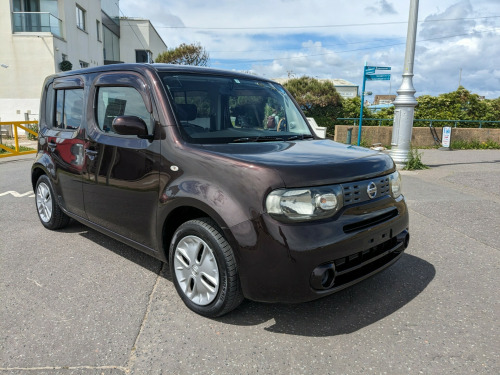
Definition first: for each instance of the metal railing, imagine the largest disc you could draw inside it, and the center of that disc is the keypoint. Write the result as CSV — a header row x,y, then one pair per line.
x,y
36,22
426,122
17,150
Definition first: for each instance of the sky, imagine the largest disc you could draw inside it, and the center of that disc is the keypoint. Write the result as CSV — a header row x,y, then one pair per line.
x,y
458,41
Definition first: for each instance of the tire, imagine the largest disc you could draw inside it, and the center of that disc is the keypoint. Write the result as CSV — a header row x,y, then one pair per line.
x,y
204,269
49,212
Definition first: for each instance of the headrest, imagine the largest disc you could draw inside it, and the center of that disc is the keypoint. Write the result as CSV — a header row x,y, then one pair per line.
x,y
186,112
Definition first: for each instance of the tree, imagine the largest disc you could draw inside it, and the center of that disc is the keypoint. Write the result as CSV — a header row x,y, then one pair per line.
x,y
185,54
456,105
317,99
352,107
493,110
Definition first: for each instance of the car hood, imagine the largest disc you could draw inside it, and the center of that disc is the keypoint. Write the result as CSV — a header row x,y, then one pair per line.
x,y
309,162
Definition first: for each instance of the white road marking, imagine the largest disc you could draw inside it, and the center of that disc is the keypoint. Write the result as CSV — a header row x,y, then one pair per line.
x,y
15,194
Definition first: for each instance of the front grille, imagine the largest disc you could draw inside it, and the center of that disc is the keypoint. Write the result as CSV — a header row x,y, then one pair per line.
x,y
356,192
357,265
364,224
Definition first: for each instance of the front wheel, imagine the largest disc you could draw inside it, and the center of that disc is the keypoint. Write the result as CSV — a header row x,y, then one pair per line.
x,y
203,268
49,212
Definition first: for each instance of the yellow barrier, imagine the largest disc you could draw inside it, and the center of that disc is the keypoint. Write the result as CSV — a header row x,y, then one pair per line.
x,y
16,150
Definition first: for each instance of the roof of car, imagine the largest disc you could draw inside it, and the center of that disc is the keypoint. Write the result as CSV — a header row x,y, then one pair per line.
x,y
161,68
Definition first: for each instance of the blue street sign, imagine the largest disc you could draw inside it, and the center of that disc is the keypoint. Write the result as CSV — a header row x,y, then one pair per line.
x,y
378,77
378,68
368,75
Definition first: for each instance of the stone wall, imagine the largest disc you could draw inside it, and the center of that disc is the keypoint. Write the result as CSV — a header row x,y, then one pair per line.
x,y
421,136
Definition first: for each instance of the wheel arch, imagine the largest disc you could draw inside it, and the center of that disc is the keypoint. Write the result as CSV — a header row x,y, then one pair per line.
x,y
190,210
36,172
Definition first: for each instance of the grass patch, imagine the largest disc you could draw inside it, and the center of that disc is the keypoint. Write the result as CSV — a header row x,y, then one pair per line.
x,y
475,145
21,148
414,161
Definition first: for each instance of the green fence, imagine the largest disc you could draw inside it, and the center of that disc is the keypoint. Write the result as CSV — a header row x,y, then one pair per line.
x,y
425,122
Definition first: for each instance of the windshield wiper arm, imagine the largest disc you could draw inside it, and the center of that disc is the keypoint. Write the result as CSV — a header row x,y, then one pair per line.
x,y
241,140
256,139
302,136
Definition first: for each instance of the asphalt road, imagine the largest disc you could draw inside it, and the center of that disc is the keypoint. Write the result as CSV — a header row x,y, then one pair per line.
x,y
77,302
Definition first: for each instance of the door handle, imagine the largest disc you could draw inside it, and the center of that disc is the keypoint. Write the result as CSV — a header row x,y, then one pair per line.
x,y
91,154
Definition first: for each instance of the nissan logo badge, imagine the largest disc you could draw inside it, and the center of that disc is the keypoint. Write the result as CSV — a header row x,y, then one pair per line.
x,y
371,190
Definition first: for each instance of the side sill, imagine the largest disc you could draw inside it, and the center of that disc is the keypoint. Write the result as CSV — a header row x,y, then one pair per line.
x,y
136,245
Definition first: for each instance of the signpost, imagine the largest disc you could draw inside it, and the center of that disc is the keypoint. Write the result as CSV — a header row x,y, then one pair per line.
x,y
369,75
446,138
378,77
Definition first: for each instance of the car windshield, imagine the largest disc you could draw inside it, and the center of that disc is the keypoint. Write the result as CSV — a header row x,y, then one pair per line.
x,y
219,109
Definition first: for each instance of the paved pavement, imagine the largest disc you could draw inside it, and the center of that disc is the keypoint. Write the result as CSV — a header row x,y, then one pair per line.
x,y
77,302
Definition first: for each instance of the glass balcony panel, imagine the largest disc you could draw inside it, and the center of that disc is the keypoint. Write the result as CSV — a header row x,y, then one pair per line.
x,y
37,22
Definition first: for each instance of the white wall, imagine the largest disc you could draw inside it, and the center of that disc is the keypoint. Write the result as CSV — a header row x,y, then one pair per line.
x,y
30,58
138,34
80,45
14,109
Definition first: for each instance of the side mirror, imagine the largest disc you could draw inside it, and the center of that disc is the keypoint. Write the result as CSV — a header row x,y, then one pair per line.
x,y
130,125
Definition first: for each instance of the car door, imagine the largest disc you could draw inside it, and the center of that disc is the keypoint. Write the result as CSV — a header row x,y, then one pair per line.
x,y
64,115
121,185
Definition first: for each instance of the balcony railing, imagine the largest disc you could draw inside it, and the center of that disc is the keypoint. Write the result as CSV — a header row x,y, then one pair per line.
x,y
37,22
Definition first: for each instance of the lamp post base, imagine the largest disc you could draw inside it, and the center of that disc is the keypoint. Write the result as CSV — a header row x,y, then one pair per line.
x,y
399,156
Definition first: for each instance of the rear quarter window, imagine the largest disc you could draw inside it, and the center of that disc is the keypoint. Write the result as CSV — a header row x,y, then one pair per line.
x,y
69,108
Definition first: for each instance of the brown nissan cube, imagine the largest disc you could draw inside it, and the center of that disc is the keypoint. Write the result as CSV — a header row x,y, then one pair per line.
x,y
219,174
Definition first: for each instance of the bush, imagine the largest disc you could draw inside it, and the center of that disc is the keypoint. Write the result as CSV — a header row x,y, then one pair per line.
x,y
21,148
414,161
33,127
475,145
65,65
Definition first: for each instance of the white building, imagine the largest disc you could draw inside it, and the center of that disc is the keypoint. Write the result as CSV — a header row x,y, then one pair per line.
x,y
139,41
345,88
38,35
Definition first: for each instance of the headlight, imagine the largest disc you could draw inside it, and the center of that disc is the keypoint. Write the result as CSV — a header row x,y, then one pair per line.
x,y
396,186
304,204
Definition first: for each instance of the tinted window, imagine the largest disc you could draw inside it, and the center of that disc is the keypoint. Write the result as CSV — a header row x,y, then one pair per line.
x,y
120,101
199,100
49,105
69,108
225,109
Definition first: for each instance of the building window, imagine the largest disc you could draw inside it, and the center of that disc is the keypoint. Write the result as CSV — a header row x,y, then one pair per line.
x,y
143,56
111,44
84,64
98,26
80,18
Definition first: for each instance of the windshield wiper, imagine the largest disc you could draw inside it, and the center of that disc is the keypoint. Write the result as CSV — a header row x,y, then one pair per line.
x,y
302,136
256,139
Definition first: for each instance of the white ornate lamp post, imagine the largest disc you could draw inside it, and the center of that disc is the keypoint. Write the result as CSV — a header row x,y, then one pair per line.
x,y
404,105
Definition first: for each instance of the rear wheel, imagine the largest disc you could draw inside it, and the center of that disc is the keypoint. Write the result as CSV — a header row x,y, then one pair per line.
x,y
203,268
49,212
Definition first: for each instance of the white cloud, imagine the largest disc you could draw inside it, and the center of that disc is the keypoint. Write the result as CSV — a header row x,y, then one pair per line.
x,y
381,7
457,25
339,52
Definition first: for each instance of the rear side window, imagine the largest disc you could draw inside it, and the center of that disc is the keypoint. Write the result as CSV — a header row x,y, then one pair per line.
x,y
120,101
69,108
49,105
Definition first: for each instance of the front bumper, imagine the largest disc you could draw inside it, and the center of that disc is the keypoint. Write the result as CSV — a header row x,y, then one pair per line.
x,y
286,262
